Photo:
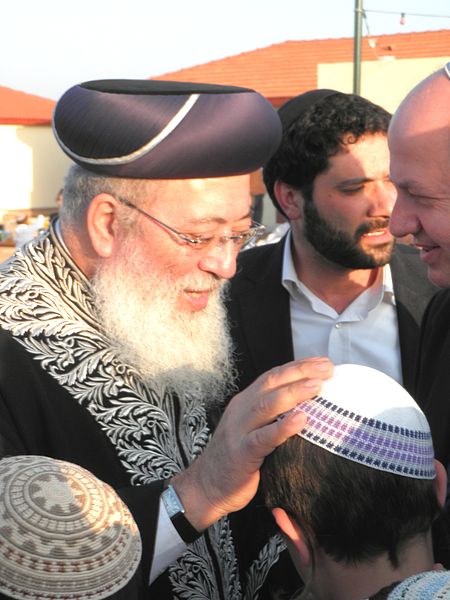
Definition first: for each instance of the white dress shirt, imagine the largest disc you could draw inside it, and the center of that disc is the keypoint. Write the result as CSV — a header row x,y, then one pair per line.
x,y
168,544
365,333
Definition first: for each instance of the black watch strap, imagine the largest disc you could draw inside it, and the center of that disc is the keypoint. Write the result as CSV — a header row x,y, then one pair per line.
x,y
175,510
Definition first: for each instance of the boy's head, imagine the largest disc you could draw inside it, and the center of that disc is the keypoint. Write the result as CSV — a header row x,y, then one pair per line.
x,y
359,481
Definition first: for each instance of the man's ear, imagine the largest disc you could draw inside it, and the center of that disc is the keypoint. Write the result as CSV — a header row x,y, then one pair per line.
x,y
440,482
101,223
295,538
289,199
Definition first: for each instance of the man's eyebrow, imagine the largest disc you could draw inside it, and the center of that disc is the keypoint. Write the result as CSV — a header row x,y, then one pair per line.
x,y
354,180
219,220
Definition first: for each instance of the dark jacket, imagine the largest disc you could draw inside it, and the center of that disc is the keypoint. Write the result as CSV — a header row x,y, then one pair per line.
x,y
260,316
432,387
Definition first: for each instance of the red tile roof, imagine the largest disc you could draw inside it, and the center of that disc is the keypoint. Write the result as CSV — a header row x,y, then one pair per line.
x,y
19,108
284,70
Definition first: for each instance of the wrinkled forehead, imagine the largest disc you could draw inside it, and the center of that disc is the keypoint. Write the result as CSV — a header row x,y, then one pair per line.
x,y
226,198
419,143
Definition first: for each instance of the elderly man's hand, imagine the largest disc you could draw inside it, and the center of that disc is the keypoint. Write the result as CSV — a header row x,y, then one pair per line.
x,y
226,476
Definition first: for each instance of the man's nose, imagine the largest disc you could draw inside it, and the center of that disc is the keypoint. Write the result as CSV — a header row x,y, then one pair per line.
x,y
404,220
220,260
383,199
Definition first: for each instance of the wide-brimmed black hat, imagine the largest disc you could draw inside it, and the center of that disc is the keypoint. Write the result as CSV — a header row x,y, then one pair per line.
x,y
165,130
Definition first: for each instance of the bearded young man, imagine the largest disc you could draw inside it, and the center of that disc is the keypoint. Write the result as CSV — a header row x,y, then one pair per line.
x,y
114,347
336,285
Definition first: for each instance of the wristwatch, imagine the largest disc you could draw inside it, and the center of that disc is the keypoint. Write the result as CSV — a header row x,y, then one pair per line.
x,y
175,510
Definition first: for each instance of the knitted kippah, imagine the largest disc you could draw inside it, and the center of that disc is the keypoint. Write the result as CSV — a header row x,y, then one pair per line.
x,y
431,585
63,533
365,416
149,129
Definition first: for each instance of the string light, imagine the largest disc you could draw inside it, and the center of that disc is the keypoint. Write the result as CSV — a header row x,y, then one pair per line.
x,y
404,14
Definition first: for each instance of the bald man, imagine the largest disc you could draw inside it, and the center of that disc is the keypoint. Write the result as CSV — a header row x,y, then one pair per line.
x,y
419,140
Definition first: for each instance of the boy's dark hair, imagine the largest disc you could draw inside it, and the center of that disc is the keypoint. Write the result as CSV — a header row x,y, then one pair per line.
x,y
319,132
351,511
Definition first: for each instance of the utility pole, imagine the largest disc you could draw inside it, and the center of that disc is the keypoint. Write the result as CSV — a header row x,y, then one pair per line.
x,y
357,47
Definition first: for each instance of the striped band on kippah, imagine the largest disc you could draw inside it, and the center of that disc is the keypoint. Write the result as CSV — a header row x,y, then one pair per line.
x,y
368,441
365,416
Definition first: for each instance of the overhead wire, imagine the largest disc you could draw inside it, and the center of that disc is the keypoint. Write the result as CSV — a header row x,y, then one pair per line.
x,y
406,14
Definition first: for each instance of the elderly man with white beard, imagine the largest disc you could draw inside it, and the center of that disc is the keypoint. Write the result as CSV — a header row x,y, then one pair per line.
x,y
114,345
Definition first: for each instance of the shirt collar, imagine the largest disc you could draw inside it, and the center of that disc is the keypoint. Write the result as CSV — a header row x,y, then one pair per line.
x,y
290,281
288,273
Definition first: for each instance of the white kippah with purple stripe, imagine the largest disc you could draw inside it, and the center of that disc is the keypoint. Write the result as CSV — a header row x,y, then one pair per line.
x,y
367,417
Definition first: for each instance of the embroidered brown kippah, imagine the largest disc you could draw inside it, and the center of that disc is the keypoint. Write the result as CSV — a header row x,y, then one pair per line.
x,y
63,532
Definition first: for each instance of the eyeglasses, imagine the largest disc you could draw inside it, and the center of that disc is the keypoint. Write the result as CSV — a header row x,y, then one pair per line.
x,y
200,242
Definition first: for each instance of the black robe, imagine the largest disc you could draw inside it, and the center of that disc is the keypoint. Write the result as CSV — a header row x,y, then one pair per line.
x,y
64,394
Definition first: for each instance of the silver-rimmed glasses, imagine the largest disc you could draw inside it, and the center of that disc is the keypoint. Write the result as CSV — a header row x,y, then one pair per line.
x,y
202,241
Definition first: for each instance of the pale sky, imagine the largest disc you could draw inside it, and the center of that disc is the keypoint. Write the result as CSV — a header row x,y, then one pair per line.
x,y
46,46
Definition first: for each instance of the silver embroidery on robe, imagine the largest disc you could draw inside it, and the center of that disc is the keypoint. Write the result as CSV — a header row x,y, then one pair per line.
x,y
65,338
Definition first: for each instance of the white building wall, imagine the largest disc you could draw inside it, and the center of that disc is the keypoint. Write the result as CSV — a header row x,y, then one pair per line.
x,y
32,167
385,81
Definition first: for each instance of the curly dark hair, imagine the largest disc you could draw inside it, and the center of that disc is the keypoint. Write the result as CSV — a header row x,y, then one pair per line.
x,y
315,130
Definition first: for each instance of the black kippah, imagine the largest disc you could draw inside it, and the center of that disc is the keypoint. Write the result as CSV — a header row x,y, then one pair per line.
x,y
296,107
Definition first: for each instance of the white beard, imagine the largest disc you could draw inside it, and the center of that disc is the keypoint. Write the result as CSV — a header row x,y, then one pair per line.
x,y
186,352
